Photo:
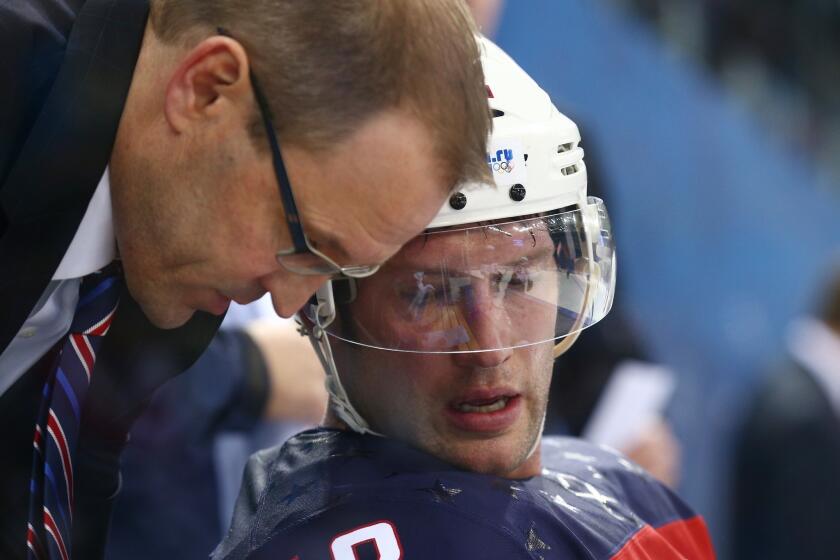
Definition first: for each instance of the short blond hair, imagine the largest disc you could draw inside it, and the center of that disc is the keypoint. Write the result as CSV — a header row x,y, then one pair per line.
x,y
328,65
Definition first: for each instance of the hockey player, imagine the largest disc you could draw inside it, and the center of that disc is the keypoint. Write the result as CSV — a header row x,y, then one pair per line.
x,y
439,367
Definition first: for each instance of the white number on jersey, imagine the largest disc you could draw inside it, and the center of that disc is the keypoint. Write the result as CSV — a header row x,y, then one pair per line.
x,y
383,535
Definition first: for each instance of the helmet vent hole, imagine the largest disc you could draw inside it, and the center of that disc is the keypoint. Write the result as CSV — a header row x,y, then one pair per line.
x,y
498,113
565,147
570,170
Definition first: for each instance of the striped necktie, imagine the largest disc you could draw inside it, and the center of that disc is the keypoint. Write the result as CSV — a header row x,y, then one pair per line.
x,y
48,535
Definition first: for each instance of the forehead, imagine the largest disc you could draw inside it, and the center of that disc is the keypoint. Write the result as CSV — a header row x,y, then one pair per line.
x,y
380,188
501,243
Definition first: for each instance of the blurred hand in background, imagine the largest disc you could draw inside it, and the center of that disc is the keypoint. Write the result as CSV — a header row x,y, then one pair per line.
x,y
295,374
658,451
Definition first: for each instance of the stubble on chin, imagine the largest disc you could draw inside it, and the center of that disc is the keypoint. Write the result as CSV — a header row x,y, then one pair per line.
x,y
160,307
167,317
498,456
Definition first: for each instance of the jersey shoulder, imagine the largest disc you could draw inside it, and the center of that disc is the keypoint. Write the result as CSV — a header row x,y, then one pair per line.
x,y
358,500
351,497
602,478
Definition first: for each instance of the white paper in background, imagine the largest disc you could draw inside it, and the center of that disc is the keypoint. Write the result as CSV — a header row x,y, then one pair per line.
x,y
635,396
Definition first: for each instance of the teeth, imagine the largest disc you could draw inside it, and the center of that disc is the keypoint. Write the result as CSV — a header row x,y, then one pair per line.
x,y
499,404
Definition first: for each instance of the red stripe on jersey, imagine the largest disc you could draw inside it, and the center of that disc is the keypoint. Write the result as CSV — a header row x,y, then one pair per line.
x,y
680,540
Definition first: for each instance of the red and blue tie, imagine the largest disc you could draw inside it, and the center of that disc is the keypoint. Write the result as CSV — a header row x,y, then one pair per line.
x,y
48,535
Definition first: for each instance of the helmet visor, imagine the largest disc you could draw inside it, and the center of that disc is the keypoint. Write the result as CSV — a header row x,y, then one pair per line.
x,y
488,286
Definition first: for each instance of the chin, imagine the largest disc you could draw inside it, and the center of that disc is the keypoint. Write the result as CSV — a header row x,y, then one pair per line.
x,y
496,466
166,317
161,311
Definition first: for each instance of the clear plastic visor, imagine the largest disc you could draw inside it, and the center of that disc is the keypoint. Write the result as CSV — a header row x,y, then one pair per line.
x,y
484,287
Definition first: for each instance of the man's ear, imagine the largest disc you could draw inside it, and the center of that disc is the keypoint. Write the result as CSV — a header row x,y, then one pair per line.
x,y
212,82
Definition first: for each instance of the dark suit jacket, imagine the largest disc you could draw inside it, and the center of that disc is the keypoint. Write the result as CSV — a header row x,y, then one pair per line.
x,y
787,472
65,70
169,503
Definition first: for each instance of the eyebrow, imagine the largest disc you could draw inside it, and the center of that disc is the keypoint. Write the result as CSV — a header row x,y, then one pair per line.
x,y
329,240
535,254
335,249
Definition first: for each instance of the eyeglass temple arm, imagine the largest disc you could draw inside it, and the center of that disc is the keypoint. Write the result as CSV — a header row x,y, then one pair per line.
x,y
283,183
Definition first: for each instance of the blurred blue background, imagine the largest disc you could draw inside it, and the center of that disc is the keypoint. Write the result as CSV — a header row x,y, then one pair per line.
x,y
726,219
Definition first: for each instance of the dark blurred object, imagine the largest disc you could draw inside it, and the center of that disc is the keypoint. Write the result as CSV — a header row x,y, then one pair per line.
x,y
798,39
779,56
787,457
168,505
582,374
580,379
172,503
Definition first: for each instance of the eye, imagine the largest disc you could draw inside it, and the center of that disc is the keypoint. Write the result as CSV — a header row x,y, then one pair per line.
x,y
514,279
522,281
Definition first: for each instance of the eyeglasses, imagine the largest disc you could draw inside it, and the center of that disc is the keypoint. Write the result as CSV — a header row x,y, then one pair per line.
x,y
302,258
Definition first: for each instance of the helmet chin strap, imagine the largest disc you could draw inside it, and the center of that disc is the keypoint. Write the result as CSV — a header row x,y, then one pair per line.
x,y
322,315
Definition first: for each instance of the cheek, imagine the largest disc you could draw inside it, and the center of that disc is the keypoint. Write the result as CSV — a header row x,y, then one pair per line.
x,y
253,222
367,375
244,253
251,239
537,366
403,381
405,386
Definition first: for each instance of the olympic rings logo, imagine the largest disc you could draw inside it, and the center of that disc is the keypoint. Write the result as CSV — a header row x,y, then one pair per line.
x,y
502,162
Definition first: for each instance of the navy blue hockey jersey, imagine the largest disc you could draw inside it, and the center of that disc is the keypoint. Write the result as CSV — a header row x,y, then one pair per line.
x,y
339,495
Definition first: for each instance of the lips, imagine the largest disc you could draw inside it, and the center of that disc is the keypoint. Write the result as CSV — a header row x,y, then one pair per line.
x,y
490,405
487,411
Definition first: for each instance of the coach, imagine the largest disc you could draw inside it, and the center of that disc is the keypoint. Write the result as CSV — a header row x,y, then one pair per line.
x,y
160,159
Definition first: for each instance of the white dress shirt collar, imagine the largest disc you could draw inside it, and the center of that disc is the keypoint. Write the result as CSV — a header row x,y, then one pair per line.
x,y
93,246
816,347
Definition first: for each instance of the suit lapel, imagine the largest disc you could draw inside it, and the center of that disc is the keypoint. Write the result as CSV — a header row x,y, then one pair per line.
x,y
48,189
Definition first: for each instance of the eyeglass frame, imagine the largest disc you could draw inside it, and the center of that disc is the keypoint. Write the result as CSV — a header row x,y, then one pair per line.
x,y
301,244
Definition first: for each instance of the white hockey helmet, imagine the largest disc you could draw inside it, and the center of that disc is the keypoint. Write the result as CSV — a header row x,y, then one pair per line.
x,y
526,260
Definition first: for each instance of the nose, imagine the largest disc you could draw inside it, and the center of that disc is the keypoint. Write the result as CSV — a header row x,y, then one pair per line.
x,y
489,327
483,359
289,291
